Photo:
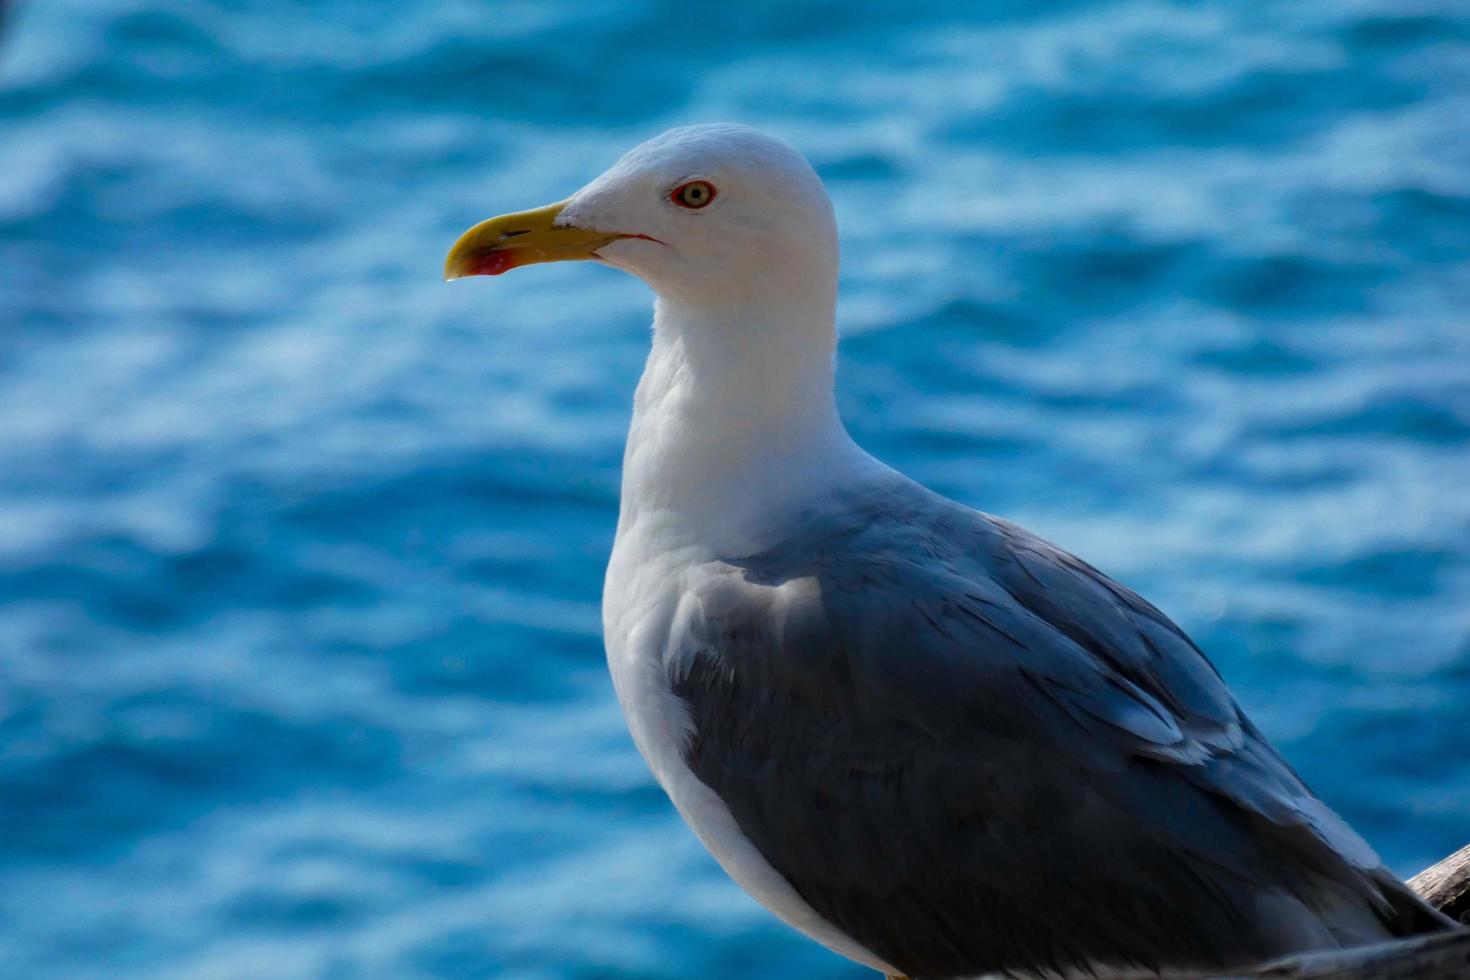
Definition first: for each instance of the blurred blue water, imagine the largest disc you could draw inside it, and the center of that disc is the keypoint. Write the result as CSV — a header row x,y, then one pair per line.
x,y
300,549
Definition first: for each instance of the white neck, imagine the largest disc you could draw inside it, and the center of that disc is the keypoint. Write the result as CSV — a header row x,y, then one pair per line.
x,y
735,424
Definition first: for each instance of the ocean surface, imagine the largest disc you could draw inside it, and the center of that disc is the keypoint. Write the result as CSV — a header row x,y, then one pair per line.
x,y
301,673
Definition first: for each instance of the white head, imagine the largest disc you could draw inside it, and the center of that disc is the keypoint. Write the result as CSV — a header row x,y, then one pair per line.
x,y
733,230
710,214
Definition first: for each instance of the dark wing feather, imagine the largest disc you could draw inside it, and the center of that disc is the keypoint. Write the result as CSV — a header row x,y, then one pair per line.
x,y
973,752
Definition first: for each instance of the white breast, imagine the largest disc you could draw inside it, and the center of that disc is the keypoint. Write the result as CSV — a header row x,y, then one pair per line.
x,y
640,604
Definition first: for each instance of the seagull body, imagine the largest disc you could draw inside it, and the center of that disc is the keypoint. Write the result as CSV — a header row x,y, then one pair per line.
x,y
919,734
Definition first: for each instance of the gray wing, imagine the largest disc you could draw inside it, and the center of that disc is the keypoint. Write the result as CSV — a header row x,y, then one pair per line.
x,y
973,752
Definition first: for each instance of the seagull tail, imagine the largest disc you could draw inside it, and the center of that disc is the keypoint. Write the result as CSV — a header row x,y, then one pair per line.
x,y
1405,913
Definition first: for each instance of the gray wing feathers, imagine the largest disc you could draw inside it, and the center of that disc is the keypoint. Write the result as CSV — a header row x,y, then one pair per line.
x,y
1127,634
960,743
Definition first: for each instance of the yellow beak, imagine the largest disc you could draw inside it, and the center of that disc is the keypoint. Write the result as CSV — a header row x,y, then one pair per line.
x,y
524,238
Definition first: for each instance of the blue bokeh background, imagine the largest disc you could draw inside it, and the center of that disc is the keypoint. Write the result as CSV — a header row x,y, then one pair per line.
x,y
301,549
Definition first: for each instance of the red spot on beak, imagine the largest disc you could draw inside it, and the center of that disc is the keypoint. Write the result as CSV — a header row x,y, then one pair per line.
x,y
493,263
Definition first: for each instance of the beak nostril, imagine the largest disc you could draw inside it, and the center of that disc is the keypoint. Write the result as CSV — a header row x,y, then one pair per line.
x,y
512,234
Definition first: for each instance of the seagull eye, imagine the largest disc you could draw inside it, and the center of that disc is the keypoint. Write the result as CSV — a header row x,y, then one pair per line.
x,y
694,195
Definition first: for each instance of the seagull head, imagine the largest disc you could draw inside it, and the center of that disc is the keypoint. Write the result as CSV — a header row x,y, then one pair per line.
x,y
710,213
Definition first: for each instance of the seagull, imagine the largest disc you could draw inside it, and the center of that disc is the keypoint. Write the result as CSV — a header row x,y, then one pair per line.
x,y
920,734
